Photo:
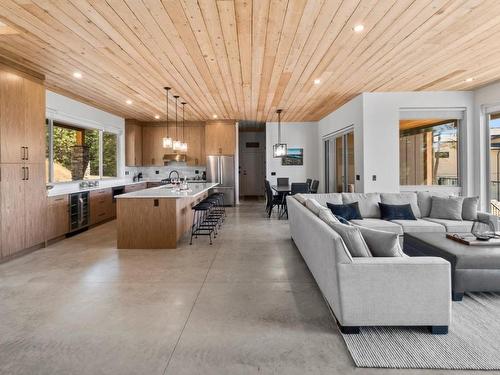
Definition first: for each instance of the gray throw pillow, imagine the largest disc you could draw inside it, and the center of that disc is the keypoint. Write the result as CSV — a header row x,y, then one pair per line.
x,y
327,216
469,208
313,206
353,239
447,208
300,198
381,243
367,203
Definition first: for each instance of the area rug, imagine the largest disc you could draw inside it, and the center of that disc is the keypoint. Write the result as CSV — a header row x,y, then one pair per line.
x,y
473,341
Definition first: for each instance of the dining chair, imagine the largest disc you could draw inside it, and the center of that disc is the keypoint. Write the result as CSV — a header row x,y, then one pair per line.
x,y
314,187
271,199
308,182
282,181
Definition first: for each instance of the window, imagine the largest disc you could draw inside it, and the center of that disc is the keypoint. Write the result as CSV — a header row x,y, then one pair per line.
x,y
109,151
74,153
428,152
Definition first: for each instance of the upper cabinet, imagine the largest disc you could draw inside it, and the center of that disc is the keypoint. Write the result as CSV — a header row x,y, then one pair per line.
x,y
22,119
152,145
220,138
194,136
133,144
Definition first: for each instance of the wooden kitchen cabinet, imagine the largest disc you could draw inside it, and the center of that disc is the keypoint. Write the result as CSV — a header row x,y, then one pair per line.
x,y
152,146
133,144
135,187
57,216
23,207
195,138
102,206
220,138
22,122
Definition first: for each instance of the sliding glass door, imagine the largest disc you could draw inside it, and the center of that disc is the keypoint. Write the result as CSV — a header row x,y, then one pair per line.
x,y
494,163
339,163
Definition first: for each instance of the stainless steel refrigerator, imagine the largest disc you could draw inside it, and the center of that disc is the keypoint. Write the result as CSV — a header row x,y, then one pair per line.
x,y
220,169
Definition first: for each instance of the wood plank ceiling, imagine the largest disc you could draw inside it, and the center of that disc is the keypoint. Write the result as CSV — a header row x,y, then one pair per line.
x,y
242,59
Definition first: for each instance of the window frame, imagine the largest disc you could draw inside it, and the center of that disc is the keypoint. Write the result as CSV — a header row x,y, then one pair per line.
x,y
455,113
51,122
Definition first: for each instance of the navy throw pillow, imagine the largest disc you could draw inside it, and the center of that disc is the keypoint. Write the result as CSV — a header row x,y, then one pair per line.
x,y
396,212
348,211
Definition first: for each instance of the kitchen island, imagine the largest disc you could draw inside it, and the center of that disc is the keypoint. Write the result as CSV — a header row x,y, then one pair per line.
x,y
157,218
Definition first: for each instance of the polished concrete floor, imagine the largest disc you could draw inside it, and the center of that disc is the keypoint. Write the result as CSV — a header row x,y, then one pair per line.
x,y
245,305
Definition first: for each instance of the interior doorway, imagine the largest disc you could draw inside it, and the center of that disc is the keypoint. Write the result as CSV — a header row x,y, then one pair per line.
x,y
252,160
339,163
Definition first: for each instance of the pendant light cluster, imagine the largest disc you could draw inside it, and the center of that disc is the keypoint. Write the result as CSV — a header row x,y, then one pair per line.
x,y
279,149
168,142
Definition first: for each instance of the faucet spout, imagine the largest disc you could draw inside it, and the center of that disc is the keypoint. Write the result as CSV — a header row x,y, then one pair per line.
x,y
170,174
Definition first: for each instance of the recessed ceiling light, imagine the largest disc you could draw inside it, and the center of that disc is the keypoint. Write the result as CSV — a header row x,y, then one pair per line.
x,y
214,116
157,117
470,79
77,75
358,28
129,102
317,81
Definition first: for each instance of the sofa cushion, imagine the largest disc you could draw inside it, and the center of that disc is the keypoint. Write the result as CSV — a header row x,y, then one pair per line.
x,y
313,206
469,208
368,203
396,211
323,198
424,199
326,215
456,226
420,225
382,244
353,239
379,224
347,211
447,208
301,198
402,198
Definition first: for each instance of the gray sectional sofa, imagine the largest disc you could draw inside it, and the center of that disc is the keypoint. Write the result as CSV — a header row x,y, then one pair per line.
x,y
420,202
377,291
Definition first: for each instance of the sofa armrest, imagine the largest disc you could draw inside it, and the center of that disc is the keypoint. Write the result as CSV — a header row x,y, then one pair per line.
x,y
486,217
395,291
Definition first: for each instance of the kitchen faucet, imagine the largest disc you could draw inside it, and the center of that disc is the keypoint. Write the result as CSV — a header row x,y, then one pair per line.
x,y
170,175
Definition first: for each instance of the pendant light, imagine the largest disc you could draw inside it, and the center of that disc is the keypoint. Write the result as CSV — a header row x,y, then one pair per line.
x,y
184,145
167,141
279,149
176,143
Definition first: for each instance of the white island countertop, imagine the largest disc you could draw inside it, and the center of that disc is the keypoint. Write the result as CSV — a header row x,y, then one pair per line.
x,y
168,191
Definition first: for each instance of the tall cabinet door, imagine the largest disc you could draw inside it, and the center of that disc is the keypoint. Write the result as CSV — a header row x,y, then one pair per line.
x,y
36,204
12,111
34,122
12,210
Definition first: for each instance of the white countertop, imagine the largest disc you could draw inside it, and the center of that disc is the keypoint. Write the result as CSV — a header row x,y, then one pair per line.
x,y
168,191
70,188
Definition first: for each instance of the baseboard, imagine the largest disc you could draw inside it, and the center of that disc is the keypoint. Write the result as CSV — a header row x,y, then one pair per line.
x,y
22,253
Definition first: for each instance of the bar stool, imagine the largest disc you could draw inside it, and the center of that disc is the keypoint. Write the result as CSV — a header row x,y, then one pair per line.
x,y
201,226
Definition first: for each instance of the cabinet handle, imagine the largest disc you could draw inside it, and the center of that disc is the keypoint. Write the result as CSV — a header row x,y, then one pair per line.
x,y
23,153
23,169
27,155
27,173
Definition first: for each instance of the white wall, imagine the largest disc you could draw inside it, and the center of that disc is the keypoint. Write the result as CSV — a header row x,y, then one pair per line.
x,y
350,115
63,109
375,119
296,135
381,132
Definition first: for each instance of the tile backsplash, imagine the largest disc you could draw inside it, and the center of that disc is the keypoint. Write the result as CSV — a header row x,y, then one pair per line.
x,y
162,172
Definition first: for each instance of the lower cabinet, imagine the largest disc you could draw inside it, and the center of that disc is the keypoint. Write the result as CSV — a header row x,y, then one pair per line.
x,y
102,206
23,207
57,216
136,187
